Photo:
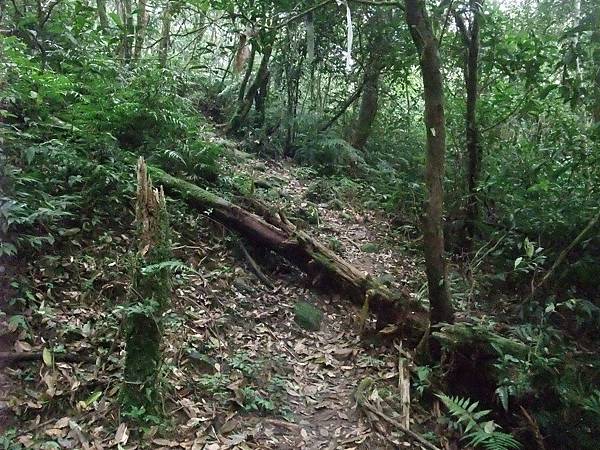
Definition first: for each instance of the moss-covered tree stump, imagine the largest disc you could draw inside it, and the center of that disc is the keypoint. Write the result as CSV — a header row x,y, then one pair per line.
x,y
149,296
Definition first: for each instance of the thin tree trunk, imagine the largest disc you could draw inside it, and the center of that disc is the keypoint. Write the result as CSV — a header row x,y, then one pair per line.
x,y
342,109
140,31
102,16
260,100
363,125
435,263
165,35
244,107
563,255
471,76
595,39
128,32
368,107
247,75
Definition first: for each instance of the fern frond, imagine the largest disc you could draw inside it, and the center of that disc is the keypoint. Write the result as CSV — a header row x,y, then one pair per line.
x,y
592,403
478,433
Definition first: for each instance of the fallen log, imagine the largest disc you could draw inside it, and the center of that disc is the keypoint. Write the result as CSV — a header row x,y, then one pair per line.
x,y
8,358
322,265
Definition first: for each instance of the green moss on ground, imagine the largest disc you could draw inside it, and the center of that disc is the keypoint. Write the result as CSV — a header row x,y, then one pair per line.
x,y
308,316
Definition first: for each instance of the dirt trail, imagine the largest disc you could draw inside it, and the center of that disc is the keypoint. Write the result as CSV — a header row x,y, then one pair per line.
x,y
325,366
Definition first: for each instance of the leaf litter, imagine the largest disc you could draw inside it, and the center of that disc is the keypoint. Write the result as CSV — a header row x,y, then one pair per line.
x,y
238,372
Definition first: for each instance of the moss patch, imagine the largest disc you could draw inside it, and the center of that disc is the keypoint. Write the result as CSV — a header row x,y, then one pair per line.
x,y
308,316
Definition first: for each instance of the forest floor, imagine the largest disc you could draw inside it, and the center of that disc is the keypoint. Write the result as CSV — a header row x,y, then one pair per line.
x,y
238,371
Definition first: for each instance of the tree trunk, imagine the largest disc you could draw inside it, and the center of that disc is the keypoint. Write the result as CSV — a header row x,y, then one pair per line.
x,y
595,39
368,107
293,61
140,31
378,39
244,107
165,35
260,100
102,16
343,108
323,266
435,263
247,75
471,68
150,296
127,33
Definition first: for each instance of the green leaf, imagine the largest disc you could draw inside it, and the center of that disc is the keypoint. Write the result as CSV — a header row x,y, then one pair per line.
x,y
529,249
489,426
93,398
48,357
116,19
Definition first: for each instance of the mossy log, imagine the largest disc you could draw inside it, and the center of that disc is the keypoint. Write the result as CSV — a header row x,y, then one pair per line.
x,y
326,269
470,338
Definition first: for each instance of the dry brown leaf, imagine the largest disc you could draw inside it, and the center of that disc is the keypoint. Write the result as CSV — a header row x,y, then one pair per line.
x,y
22,346
62,423
122,434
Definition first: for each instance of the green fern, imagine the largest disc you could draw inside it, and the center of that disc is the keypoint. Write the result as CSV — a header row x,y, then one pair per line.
x,y
475,430
328,151
592,403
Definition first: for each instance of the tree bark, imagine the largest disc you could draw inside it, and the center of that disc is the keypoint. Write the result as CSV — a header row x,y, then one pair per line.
x,y
102,16
435,263
140,30
165,35
368,106
244,107
471,68
127,33
326,269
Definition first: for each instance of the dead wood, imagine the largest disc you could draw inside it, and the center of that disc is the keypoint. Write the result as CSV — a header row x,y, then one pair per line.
x,y
417,437
323,267
7,358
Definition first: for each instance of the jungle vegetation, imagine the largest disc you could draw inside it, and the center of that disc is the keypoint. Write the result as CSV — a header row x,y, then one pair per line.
x,y
423,174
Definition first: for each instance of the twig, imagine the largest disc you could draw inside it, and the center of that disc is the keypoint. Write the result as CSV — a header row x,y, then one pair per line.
x,y
563,255
283,423
510,113
9,357
255,268
445,23
300,15
539,439
417,437
113,347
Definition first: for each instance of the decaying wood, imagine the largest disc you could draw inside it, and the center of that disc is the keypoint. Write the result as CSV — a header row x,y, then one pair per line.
x,y
7,358
255,267
361,395
321,264
404,389
150,296
417,437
